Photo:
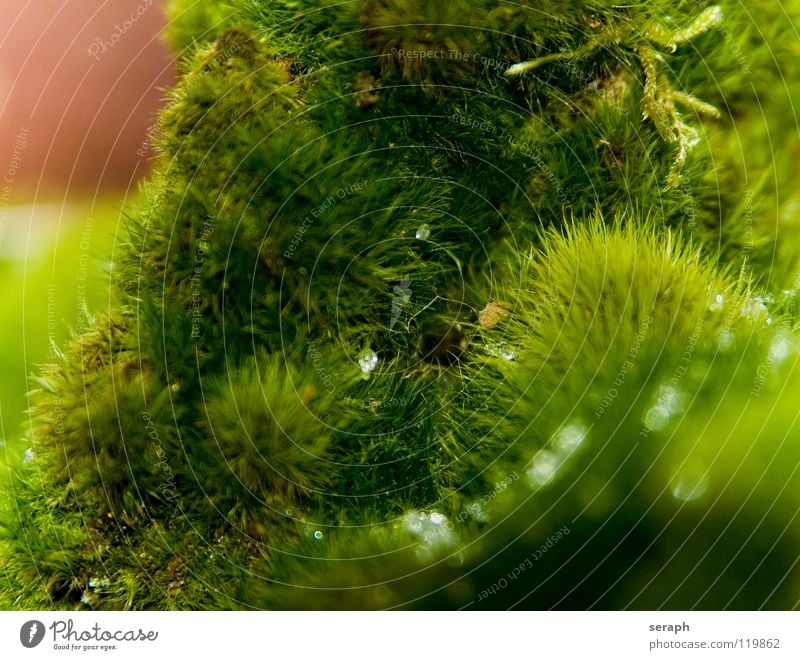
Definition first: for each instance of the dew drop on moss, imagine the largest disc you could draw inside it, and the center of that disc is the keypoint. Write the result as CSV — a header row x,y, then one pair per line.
x,y
543,468
754,307
657,418
780,349
570,437
726,340
670,402
413,522
691,483
501,350
477,512
433,531
368,361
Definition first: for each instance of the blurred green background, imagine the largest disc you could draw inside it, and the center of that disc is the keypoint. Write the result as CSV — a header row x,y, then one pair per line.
x,y
53,266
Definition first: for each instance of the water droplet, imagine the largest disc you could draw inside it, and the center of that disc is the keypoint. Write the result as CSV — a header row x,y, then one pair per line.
x,y
543,468
725,340
717,302
674,398
423,232
691,482
670,402
780,349
477,512
368,361
501,350
413,521
433,531
754,307
657,418
317,535
570,437
508,354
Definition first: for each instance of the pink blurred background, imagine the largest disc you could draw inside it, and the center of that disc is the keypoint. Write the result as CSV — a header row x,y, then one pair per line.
x,y
84,79
80,83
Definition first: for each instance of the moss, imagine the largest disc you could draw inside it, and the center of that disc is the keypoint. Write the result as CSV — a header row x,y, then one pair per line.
x,y
417,289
